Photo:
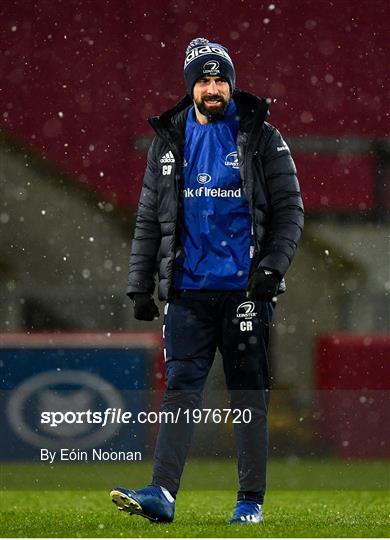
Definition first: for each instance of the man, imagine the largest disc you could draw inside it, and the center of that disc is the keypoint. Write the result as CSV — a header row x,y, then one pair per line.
x,y
220,215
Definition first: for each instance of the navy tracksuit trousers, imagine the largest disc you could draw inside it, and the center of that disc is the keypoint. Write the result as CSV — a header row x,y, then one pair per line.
x,y
196,323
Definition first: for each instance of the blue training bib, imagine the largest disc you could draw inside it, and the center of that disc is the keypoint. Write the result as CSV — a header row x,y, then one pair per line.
x,y
216,233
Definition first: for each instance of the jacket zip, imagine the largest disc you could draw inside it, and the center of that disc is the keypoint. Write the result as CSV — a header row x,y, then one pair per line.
x,y
250,197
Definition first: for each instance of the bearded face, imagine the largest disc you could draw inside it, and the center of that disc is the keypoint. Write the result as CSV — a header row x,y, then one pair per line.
x,y
211,97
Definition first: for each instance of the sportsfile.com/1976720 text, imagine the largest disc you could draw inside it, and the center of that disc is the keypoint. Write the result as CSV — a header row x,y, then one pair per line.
x,y
119,416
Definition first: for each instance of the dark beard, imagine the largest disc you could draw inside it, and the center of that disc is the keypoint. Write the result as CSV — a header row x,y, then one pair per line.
x,y
213,115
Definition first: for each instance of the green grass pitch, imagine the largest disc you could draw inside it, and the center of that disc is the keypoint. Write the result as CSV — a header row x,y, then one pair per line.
x,y
356,506
198,514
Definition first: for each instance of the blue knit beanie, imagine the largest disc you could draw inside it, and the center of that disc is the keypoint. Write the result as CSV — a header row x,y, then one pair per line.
x,y
206,59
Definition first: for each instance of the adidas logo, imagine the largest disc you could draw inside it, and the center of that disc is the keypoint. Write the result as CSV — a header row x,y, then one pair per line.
x,y
167,158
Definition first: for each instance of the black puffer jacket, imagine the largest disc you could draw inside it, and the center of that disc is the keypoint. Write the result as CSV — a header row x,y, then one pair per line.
x,y
269,181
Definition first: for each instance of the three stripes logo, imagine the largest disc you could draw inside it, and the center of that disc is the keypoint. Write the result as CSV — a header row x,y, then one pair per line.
x,y
167,158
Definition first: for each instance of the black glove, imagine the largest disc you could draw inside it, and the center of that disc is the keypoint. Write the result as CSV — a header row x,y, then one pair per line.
x,y
144,307
263,285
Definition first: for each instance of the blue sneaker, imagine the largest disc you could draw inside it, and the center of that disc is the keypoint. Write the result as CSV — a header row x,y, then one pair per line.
x,y
153,502
247,512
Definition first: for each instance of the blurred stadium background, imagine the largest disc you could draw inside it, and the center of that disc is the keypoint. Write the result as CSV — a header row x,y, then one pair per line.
x,y
78,81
